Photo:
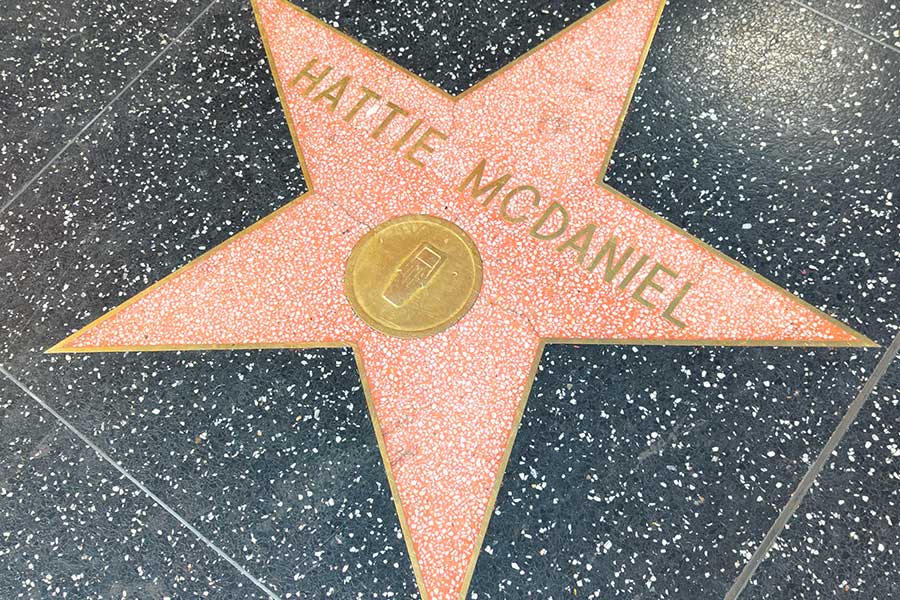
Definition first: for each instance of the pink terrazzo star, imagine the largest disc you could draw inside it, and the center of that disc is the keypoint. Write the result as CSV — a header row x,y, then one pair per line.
x,y
514,162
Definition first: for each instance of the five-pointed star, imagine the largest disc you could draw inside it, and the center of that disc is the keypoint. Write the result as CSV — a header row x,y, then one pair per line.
x,y
516,162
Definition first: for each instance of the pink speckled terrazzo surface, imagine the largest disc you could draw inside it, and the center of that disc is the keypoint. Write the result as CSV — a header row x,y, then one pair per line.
x,y
447,405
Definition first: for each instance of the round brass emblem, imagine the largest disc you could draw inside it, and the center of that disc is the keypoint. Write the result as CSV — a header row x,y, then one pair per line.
x,y
413,276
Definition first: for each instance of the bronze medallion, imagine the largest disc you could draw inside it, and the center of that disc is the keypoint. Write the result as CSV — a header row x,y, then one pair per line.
x,y
413,276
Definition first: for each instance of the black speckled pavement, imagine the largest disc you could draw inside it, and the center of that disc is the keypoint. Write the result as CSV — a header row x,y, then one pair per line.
x,y
137,136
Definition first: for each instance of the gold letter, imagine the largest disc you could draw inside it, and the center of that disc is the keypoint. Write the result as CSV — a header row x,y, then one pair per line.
x,y
477,189
393,111
333,92
634,271
504,205
405,137
555,206
314,79
367,95
422,144
649,283
667,314
587,233
609,250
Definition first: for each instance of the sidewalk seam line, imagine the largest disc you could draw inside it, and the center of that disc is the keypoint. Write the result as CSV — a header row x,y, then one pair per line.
x,y
103,109
846,26
812,473
143,488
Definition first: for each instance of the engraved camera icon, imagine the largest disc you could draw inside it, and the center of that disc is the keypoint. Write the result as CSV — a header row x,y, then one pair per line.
x,y
414,273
